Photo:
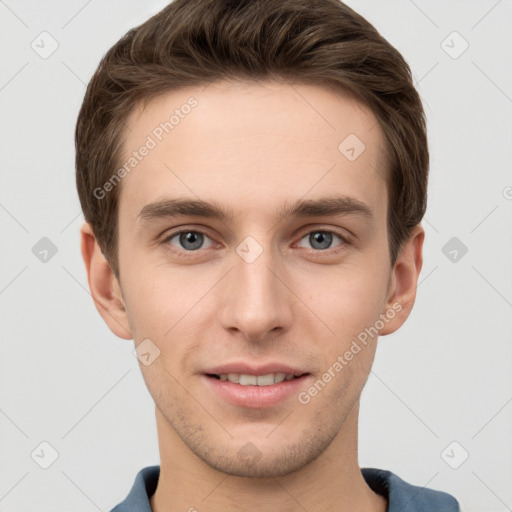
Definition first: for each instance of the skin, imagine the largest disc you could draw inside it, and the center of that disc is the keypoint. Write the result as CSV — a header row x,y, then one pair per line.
x,y
252,148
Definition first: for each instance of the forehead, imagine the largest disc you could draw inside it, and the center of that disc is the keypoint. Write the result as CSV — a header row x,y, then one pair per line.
x,y
248,141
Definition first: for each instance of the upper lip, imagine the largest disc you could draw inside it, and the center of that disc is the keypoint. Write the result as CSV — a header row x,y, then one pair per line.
x,y
255,369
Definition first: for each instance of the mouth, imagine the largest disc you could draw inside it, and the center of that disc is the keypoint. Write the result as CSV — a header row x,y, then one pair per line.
x,y
245,390
244,379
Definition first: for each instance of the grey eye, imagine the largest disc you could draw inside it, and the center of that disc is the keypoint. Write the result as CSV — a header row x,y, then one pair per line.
x,y
321,240
189,240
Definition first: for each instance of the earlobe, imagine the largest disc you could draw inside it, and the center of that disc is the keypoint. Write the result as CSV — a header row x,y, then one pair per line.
x,y
105,289
404,281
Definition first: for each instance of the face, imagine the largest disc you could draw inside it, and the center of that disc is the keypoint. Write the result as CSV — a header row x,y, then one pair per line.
x,y
291,274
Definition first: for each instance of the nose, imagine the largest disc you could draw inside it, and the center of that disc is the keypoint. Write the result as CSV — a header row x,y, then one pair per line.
x,y
255,300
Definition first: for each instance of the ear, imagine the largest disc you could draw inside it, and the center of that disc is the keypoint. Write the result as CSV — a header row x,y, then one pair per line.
x,y
404,281
104,286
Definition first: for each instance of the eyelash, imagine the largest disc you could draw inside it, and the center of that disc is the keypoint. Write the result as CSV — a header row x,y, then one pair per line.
x,y
344,241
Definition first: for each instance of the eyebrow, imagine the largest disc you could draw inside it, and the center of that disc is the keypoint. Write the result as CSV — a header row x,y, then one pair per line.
x,y
331,205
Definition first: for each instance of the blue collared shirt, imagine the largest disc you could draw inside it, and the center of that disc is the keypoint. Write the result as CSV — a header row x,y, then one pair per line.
x,y
401,496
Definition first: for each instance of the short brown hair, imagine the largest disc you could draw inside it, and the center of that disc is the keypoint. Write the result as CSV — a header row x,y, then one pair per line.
x,y
194,42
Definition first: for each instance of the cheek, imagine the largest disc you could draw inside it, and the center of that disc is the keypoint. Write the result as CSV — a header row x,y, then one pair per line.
x,y
350,301
164,303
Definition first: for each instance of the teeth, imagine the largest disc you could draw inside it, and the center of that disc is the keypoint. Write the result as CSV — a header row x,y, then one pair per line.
x,y
253,380
278,377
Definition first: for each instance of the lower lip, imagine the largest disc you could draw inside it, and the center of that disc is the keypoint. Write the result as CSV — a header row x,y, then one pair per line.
x,y
256,396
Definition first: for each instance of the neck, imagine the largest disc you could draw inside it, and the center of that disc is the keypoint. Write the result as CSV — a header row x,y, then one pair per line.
x,y
331,482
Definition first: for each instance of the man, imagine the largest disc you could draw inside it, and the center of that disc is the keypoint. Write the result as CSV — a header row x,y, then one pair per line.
x,y
253,175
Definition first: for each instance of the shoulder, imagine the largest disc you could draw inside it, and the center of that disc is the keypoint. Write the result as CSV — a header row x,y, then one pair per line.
x,y
405,497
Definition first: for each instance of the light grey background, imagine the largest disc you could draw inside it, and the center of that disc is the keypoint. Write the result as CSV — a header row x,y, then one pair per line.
x,y
444,377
